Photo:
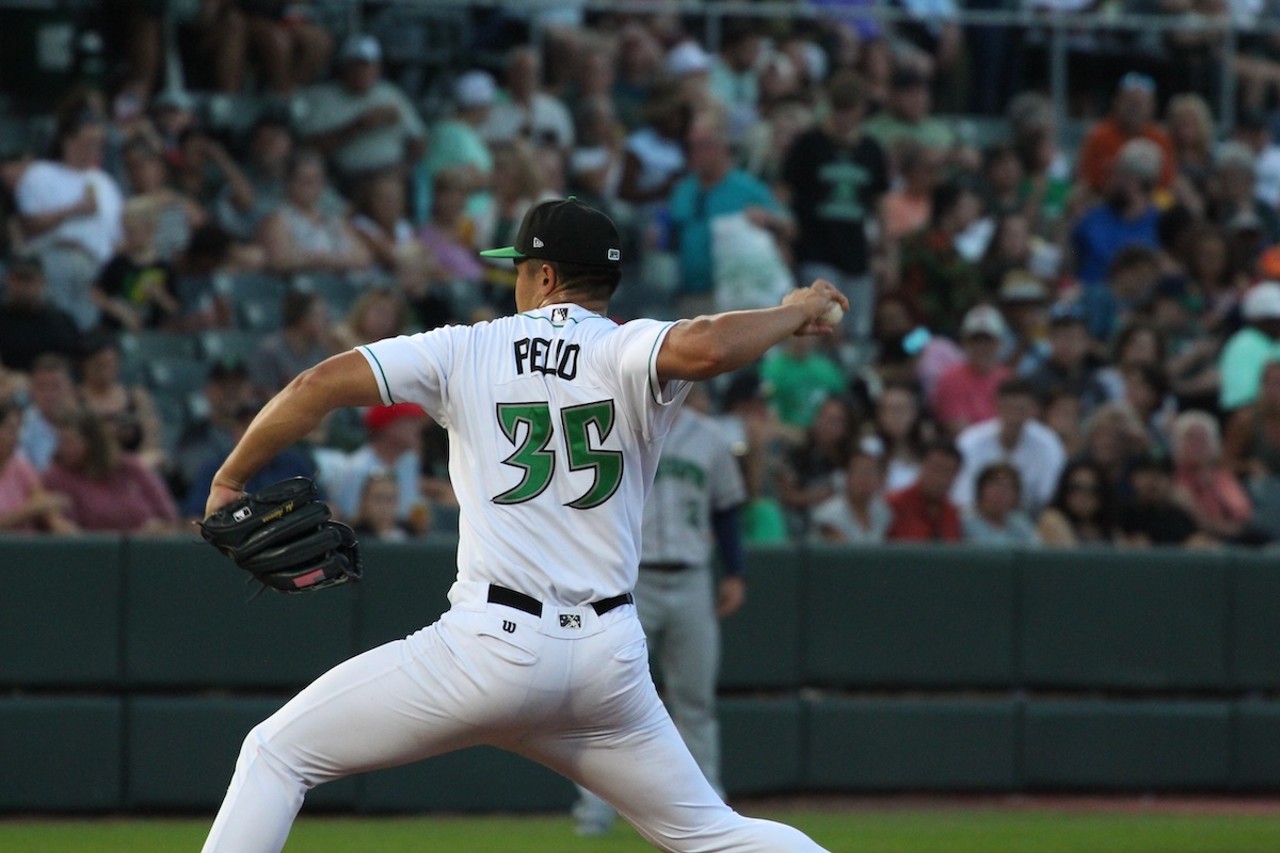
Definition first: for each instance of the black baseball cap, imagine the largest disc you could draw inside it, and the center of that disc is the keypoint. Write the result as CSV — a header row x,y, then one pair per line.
x,y
566,231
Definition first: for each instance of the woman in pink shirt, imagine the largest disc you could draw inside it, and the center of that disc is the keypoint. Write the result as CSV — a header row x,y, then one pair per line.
x,y
109,490
1203,484
24,504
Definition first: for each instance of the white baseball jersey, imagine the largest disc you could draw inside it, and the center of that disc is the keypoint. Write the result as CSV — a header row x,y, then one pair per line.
x,y
697,475
556,420
573,424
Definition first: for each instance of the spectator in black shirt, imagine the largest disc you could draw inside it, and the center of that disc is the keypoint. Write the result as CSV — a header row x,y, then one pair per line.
x,y
227,394
136,289
30,326
1152,516
835,177
1069,365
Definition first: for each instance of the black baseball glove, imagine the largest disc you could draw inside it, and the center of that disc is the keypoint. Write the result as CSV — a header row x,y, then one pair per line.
x,y
286,538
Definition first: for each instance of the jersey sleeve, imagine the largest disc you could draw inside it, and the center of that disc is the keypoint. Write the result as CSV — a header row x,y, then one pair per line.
x,y
416,368
630,358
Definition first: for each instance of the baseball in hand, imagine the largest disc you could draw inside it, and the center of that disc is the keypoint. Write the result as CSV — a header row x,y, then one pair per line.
x,y
833,315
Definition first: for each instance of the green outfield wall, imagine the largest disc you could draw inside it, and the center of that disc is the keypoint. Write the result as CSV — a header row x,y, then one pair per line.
x,y
132,668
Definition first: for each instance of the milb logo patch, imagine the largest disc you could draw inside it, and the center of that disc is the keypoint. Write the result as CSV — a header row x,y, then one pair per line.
x,y
570,620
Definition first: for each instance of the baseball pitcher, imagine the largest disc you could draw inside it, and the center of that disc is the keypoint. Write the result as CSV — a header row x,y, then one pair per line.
x,y
556,417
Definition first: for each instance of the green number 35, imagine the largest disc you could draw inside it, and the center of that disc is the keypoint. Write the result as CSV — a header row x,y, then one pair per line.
x,y
537,461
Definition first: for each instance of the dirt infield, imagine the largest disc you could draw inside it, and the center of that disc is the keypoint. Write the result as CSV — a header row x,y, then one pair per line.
x,y
1189,804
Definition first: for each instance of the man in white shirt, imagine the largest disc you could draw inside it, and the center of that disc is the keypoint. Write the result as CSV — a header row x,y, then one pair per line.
x,y
70,214
1014,436
363,123
529,112
1253,128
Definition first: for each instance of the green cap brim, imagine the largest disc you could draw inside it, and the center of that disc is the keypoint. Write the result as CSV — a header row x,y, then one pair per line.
x,y
505,252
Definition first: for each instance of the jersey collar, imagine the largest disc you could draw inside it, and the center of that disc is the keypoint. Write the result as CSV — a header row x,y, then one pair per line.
x,y
563,313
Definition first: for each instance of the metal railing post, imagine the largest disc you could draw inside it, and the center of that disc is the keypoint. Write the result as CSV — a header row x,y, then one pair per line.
x,y
1227,81
1058,69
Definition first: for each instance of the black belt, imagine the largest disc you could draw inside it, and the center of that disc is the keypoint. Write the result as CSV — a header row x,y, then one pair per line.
x,y
666,567
529,604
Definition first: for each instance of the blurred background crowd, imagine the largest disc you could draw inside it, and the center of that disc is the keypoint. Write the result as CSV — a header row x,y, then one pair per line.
x,y
1065,324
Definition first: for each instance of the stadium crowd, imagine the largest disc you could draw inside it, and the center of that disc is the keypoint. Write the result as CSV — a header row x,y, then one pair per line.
x,y
1049,344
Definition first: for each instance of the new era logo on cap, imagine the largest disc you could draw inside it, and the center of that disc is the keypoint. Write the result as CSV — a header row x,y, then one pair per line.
x,y
574,234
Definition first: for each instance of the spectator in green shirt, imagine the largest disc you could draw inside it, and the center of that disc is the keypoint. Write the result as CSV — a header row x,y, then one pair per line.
x,y
800,379
1248,350
906,114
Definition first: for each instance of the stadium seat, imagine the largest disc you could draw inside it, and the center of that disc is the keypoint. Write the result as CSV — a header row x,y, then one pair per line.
x,y
149,345
236,286
259,315
171,409
340,292
227,344
176,375
234,113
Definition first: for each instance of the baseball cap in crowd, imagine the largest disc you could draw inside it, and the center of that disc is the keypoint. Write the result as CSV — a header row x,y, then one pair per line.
x,y
1141,158
686,58
566,231
360,48
815,60
1137,80
1067,314
1235,155
173,99
1262,302
474,89
983,320
378,418
1018,285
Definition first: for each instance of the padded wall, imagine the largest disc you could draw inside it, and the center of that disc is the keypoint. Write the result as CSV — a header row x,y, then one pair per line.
x,y
192,619
761,642
60,620
1126,745
911,744
1124,619
61,753
908,616
762,746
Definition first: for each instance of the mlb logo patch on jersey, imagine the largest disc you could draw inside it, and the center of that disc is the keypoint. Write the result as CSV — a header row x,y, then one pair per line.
x,y
559,315
570,620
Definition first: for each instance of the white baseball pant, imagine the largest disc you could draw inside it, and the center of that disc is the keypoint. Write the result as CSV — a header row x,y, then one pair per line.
x,y
569,689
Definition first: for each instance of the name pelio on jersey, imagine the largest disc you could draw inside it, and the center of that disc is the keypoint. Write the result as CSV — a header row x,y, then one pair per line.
x,y
551,412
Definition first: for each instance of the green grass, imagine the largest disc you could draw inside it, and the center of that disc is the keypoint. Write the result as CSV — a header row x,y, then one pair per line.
x,y
896,830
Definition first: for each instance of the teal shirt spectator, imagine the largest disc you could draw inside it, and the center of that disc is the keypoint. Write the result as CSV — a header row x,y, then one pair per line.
x,y
692,208
453,143
1240,366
